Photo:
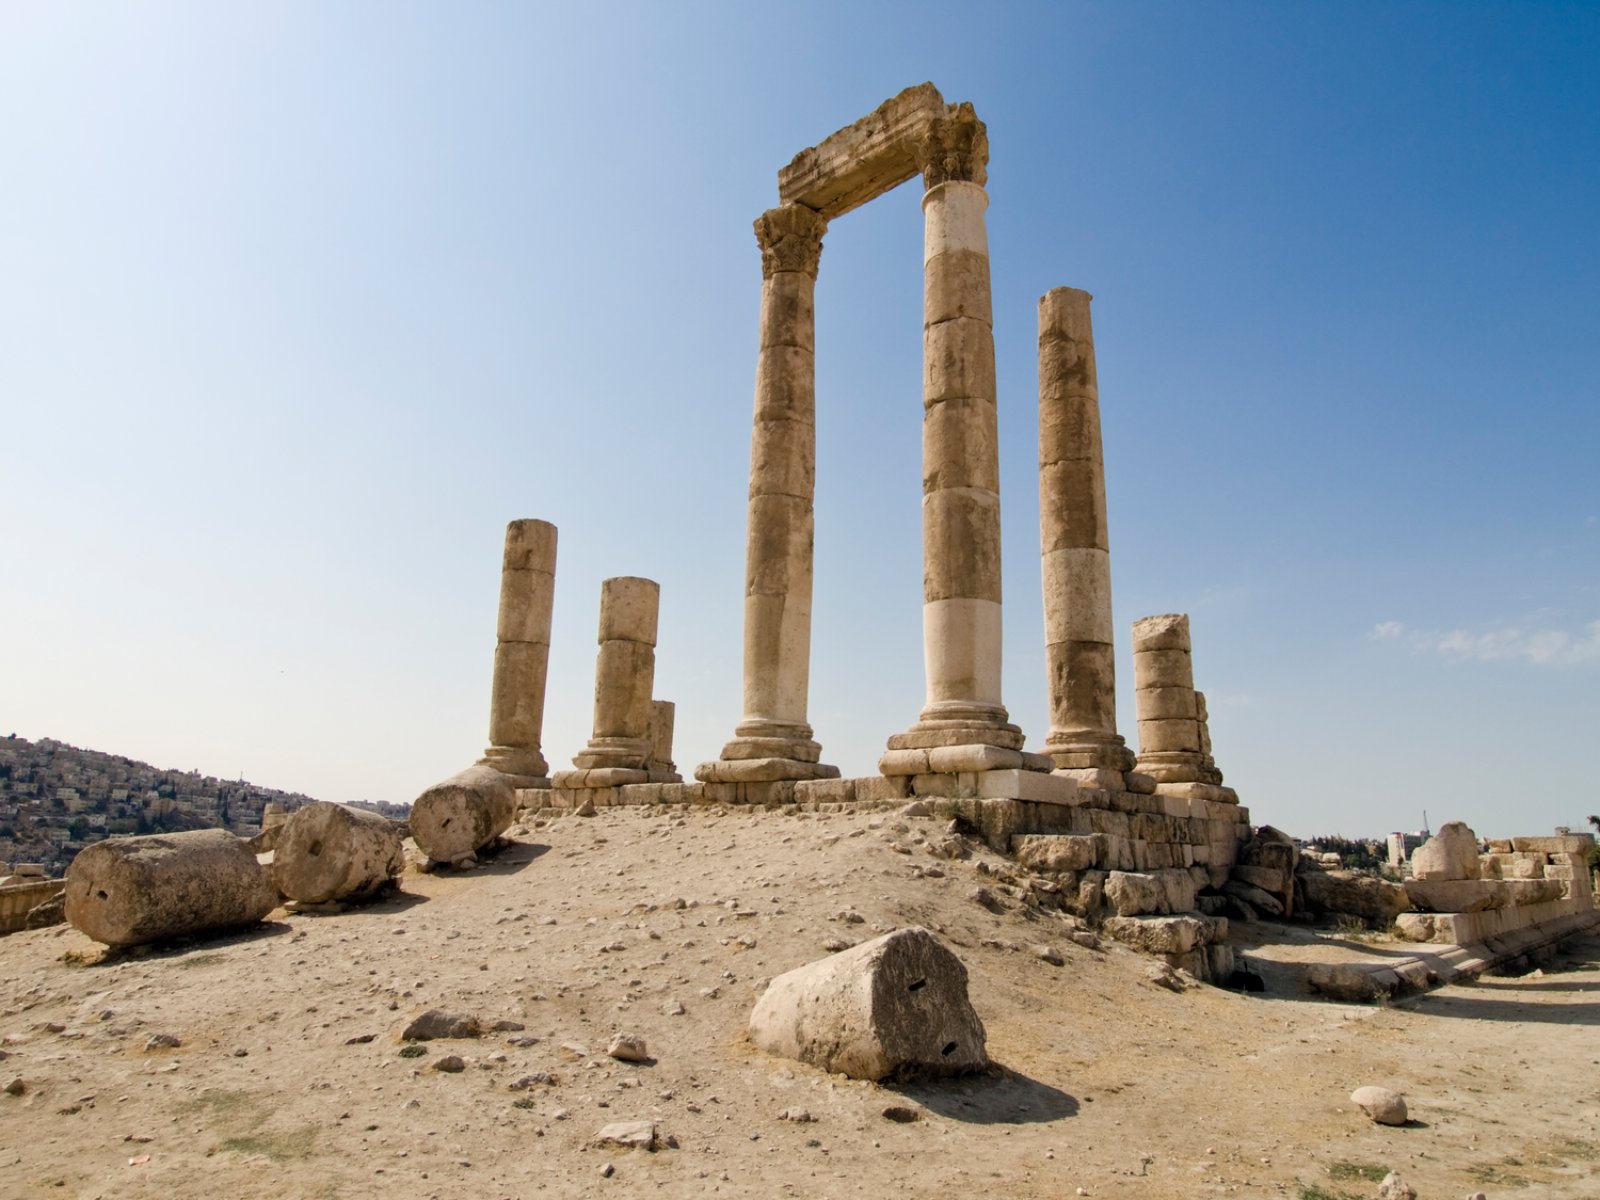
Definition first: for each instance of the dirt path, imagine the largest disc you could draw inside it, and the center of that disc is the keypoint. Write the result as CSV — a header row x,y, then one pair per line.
x,y
587,927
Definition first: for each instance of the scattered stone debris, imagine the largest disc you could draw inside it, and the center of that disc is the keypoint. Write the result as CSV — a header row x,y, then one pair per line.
x,y
451,1064
1395,1188
1164,976
628,1047
436,1023
901,1114
632,1135
1382,1105
1049,954
800,1115
163,1041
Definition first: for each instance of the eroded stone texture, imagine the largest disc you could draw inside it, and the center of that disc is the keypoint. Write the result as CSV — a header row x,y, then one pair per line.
x,y
129,891
335,852
463,814
522,654
1452,853
779,530
1079,650
896,1006
624,676
1169,724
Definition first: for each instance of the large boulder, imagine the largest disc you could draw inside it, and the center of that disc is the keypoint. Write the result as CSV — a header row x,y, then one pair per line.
x,y
128,891
334,852
1375,902
893,1007
1452,853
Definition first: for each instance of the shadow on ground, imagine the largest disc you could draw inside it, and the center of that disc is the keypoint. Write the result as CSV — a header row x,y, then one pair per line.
x,y
1005,1098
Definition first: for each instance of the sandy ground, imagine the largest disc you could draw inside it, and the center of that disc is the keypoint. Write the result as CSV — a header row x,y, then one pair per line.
x,y
1110,1084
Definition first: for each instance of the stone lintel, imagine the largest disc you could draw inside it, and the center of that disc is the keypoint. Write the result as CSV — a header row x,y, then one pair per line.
x,y
870,157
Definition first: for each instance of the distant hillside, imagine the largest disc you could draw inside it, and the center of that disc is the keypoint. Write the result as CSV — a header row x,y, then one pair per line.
x,y
55,799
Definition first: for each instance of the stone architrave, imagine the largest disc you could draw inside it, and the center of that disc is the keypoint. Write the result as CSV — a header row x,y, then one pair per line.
x,y
624,676
773,740
1169,726
961,615
1080,653
522,655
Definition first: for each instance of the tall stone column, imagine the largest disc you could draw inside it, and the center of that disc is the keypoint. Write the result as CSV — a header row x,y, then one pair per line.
x,y
1080,653
960,457
773,740
1169,724
522,654
624,676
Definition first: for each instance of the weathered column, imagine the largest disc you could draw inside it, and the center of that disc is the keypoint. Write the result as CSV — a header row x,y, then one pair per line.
x,y
1208,765
773,740
1169,726
522,655
663,717
1080,654
624,676
960,458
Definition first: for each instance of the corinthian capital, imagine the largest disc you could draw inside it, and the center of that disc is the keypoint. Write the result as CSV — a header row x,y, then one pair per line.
x,y
956,148
790,238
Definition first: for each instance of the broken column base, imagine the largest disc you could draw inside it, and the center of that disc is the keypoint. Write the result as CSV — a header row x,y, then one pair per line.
x,y
522,768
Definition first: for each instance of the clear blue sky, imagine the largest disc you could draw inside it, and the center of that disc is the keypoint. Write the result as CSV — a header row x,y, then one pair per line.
x,y
301,303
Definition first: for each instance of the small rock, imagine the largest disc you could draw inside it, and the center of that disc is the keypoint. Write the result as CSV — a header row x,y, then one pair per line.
x,y
849,916
609,1169
574,1050
801,1115
917,808
1049,954
163,1041
673,1008
1395,1188
527,1081
628,1047
1084,938
240,1052
1165,976
361,1039
835,944
635,1135
586,809
900,1113
983,896
436,1023
504,1026
1382,1105
452,1064
16,1087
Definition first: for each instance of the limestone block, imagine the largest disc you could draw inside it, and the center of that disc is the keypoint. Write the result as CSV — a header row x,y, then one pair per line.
x,y
1169,631
961,652
526,597
1072,493
1358,982
1458,895
516,709
863,160
961,545
1415,927
1376,901
628,609
1522,866
1130,893
895,1006
530,545
663,720
462,814
1452,853
788,311
1159,935
1268,879
786,388
960,441
783,459
1567,843
129,891
1035,786
1261,901
1165,736
958,361
952,759
1163,668
1166,704
1177,890
953,219
956,284
334,852
1077,595
1058,852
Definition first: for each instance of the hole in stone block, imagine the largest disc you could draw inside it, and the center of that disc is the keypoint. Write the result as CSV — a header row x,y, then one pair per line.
x,y
949,1049
315,849
101,894
918,985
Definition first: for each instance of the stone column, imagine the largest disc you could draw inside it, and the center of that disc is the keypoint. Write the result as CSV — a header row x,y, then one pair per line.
x,y
663,717
624,676
1079,652
522,655
1169,725
1208,764
960,457
773,740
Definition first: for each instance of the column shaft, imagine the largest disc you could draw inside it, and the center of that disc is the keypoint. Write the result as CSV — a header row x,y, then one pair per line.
x,y
1079,640
624,676
773,740
522,654
1169,726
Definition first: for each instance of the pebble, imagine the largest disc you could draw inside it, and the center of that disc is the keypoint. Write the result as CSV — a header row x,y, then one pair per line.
x,y
1382,1105
628,1047
451,1064
163,1041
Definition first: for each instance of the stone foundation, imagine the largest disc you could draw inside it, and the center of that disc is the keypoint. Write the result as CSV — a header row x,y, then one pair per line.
x,y
17,900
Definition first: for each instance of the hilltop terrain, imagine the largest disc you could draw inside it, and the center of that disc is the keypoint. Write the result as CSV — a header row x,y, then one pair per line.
x,y
270,1063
